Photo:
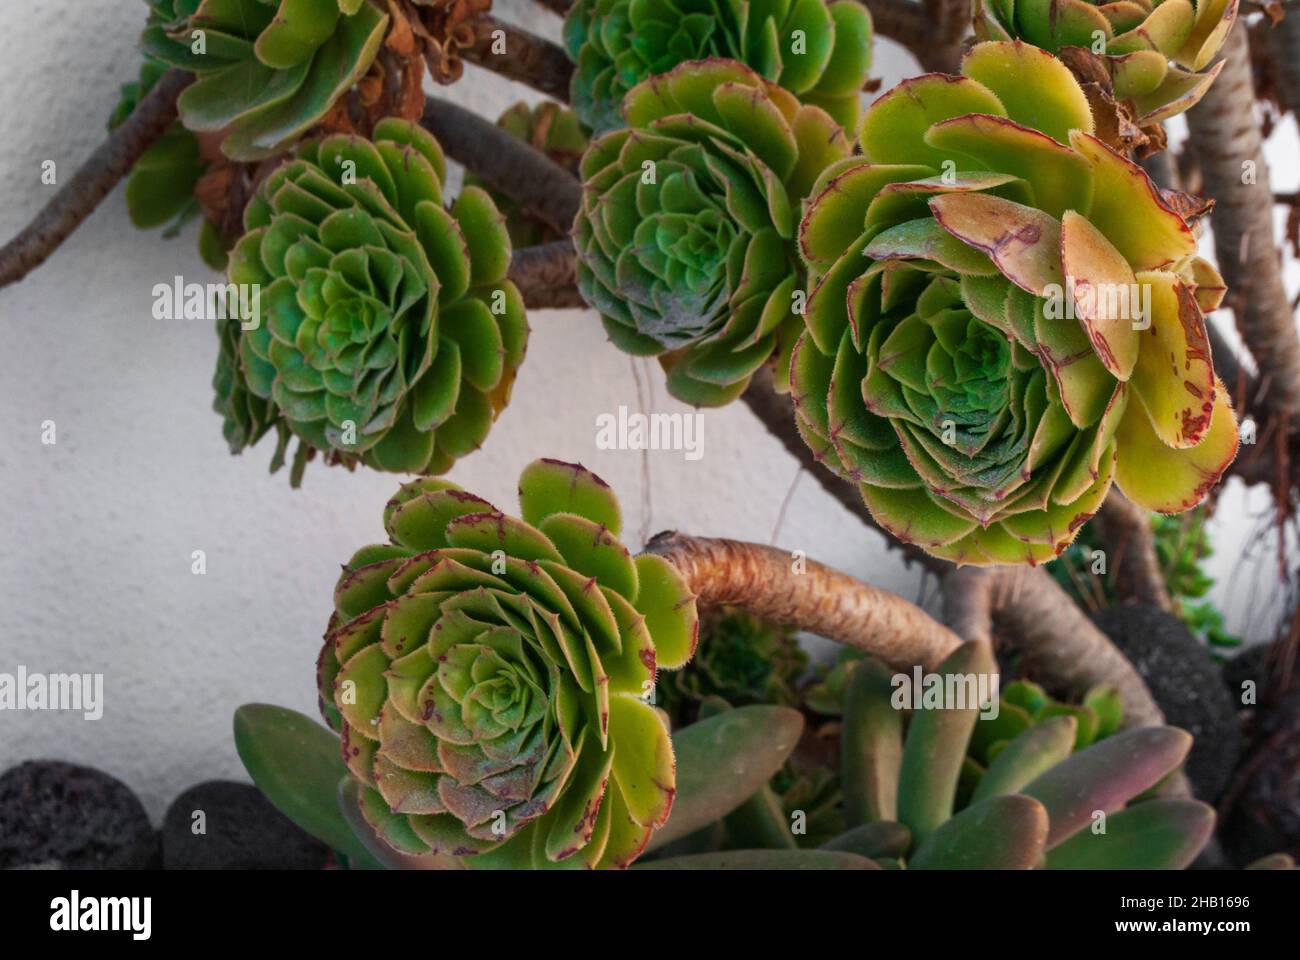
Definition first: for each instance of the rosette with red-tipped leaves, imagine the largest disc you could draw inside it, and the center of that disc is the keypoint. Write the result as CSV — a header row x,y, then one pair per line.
x,y
488,675
1155,52
1006,317
686,234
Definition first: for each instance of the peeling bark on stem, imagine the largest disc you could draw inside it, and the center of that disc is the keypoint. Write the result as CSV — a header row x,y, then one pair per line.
x,y
819,599
1061,646
537,183
545,275
1225,136
527,58
79,197
1134,567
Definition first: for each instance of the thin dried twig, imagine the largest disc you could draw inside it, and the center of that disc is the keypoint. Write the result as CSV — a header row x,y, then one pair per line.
x,y
541,187
802,593
79,197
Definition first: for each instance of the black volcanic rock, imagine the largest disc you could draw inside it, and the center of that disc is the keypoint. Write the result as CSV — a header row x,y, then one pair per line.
x,y
1188,686
61,816
242,831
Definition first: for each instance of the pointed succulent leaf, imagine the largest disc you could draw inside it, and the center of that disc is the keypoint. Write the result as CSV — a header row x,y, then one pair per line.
x,y
1158,834
871,746
997,833
724,760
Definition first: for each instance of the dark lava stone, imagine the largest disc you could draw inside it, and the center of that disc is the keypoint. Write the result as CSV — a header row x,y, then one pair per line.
x,y
62,816
242,831
1247,665
1188,686
1265,815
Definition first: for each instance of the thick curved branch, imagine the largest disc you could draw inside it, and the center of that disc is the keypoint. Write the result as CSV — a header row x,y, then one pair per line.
x,y
519,55
1061,646
540,186
79,197
1134,566
1284,38
807,595
561,7
545,275
1225,136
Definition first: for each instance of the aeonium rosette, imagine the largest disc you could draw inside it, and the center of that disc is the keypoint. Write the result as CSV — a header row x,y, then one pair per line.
x,y
686,233
1155,53
488,675
390,334
1005,317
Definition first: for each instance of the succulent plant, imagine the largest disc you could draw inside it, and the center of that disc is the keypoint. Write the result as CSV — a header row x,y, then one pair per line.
x,y
685,237
391,335
915,793
741,659
908,790
267,70
1006,317
160,186
1135,41
818,51
487,674
552,129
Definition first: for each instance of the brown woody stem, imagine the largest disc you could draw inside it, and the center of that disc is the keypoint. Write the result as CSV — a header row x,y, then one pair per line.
x,y
807,595
541,187
1134,566
519,55
1226,138
561,7
79,197
545,275
1060,645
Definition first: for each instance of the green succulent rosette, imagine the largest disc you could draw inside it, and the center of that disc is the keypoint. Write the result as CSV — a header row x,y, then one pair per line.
x,y
1155,51
742,659
267,70
487,675
390,335
1006,317
554,130
686,233
818,51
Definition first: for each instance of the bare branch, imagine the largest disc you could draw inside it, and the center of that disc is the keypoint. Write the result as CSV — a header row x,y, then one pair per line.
x,y
541,187
528,58
562,7
79,197
545,275
1125,529
932,30
819,599
1061,646
1284,38
1225,136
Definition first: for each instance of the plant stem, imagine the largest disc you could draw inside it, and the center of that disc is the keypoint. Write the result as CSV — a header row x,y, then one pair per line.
x,y
1125,529
545,275
79,197
1225,136
1061,646
537,183
807,595
523,56
562,7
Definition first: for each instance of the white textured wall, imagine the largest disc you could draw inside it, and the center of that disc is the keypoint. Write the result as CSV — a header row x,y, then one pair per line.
x,y
97,531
